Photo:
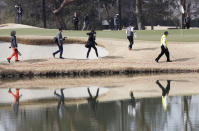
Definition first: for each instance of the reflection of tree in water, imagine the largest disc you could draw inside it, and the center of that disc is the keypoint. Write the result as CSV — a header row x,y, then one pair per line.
x,y
187,121
142,125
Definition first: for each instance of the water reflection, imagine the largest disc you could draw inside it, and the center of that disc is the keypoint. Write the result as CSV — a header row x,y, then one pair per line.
x,y
60,105
16,97
132,105
165,93
92,101
124,115
187,121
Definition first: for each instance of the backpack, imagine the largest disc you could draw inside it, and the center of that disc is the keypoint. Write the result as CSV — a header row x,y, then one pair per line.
x,y
55,39
88,44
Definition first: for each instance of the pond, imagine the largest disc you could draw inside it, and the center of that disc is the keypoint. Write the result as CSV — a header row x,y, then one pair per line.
x,y
141,103
124,115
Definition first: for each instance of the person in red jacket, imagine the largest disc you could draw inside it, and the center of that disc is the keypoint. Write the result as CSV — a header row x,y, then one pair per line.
x,y
13,46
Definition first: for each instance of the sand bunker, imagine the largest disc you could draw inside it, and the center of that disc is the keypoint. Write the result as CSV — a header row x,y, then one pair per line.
x,y
45,94
71,51
15,26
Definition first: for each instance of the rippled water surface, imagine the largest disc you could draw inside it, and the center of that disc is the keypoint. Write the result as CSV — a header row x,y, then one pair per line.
x,y
125,115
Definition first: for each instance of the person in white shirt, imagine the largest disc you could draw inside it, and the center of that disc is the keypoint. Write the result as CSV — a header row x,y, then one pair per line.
x,y
130,35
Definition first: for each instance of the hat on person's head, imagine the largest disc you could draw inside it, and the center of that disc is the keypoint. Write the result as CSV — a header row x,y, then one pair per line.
x,y
131,24
13,33
60,29
166,32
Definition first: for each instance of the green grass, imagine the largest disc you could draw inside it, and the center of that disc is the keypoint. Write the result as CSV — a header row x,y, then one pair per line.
x,y
148,35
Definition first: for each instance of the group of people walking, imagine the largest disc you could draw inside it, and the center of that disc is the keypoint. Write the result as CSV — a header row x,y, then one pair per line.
x,y
59,40
164,44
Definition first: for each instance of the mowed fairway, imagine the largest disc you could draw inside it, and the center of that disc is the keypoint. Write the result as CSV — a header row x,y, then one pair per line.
x,y
146,35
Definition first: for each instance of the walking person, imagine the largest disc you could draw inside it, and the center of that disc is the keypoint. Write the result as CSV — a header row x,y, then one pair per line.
x,y
14,46
85,22
19,14
75,21
130,35
59,41
91,42
164,48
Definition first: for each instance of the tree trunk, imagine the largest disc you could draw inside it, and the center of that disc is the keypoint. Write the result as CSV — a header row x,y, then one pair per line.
x,y
44,12
183,3
58,16
120,13
60,21
139,14
63,4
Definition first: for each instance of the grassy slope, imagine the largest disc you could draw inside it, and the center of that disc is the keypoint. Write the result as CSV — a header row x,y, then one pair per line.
x,y
174,35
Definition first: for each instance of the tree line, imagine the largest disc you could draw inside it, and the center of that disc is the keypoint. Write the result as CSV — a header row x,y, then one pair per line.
x,y
59,13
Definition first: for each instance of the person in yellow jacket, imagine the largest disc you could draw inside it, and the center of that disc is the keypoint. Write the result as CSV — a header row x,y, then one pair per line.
x,y
164,48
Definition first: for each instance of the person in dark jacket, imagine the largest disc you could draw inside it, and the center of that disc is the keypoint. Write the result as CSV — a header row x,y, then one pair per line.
x,y
85,22
75,21
14,46
19,14
91,42
116,22
187,21
59,42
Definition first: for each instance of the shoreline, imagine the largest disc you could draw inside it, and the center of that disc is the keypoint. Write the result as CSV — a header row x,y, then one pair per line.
x,y
118,87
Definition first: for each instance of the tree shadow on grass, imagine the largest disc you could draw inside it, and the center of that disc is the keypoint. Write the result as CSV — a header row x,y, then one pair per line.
x,y
145,49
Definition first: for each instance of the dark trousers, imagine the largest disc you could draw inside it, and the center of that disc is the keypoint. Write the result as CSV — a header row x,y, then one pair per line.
x,y
76,26
187,25
60,50
130,38
89,49
116,27
164,51
19,19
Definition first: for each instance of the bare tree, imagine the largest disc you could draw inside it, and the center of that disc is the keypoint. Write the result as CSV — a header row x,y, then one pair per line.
x,y
63,4
53,4
183,3
139,13
44,12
